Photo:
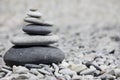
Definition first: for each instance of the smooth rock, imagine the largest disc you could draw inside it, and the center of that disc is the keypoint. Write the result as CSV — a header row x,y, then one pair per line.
x,y
33,55
37,29
89,71
44,72
67,77
35,14
32,66
20,70
40,76
22,77
33,9
33,77
34,40
34,71
67,72
78,68
38,21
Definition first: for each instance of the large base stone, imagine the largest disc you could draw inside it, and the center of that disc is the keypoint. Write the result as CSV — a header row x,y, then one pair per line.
x,y
33,55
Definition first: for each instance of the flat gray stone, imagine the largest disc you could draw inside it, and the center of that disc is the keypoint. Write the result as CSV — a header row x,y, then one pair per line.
x,y
33,9
35,14
37,29
33,55
34,40
38,21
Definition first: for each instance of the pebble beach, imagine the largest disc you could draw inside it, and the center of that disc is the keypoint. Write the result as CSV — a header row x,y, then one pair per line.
x,y
92,48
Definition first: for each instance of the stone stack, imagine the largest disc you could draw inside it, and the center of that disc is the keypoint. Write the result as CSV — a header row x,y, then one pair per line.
x,y
34,46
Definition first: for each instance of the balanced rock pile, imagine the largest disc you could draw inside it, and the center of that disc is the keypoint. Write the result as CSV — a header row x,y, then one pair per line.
x,y
34,46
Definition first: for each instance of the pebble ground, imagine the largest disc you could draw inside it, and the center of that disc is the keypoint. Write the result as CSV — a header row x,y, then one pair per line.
x,y
89,40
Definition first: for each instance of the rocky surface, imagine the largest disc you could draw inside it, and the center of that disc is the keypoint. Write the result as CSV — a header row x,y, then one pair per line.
x,y
91,53
87,39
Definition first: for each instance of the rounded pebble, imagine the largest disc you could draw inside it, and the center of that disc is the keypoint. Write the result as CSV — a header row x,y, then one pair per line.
x,y
37,29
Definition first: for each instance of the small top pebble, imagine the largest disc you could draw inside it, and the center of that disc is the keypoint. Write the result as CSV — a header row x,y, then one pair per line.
x,y
33,9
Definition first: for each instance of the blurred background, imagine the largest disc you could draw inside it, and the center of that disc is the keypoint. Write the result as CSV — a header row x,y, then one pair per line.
x,y
62,12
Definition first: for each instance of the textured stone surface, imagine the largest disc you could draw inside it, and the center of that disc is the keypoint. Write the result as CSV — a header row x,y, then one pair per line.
x,y
33,55
37,21
83,26
37,29
34,40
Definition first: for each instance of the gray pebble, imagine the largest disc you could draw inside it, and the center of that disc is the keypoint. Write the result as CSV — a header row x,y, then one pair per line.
x,y
44,72
38,21
67,72
89,71
32,66
35,14
20,69
34,71
33,9
33,29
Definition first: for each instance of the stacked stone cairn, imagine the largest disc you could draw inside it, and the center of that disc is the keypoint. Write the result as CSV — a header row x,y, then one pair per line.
x,y
34,46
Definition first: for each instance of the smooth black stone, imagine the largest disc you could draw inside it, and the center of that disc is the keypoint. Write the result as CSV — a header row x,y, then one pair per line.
x,y
32,66
37,29
33,55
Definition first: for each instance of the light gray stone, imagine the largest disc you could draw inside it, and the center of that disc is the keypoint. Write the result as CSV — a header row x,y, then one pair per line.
x,y
35,14
20,69
89,71
34,71
38,21
67,72
44,72
67,77
78,68
34,40
22,77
